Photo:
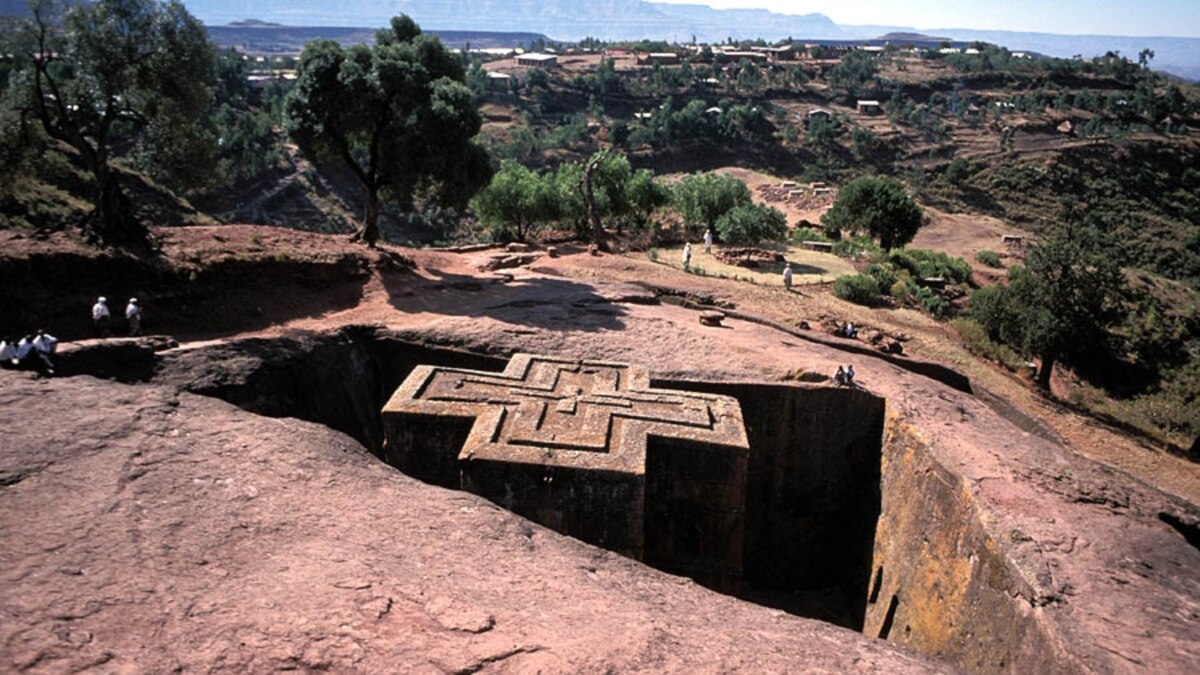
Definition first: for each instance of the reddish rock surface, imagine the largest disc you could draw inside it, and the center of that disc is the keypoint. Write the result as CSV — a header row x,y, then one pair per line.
x,y
144,530
150,531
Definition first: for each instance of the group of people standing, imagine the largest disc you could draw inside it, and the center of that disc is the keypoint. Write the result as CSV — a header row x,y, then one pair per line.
x,y
102,317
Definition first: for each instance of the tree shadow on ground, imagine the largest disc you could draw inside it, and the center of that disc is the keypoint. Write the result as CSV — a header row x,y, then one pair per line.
x,y
549,303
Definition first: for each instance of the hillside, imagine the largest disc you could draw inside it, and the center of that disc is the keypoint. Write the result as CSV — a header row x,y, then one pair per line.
x,y
667,357
272,38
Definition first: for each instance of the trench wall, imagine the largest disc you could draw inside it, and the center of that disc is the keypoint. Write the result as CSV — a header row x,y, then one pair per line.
x,y
940,583
841,493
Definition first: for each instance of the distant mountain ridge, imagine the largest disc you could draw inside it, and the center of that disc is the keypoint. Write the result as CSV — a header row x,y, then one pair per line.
x,y
561,19
571,20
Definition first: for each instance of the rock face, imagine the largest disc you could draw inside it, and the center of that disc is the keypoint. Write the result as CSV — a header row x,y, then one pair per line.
x,y
961,529
147,530
586,448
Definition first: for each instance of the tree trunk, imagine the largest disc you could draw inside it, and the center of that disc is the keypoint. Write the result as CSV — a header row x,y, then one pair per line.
x,y
369,232
589,196
1044,372
112,221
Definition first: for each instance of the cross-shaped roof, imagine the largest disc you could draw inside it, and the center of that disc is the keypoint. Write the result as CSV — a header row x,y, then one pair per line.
x,y
562,412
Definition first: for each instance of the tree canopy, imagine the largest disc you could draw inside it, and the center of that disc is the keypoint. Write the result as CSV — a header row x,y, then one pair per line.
x,y
752,224
115,70
517,202
396,114
702,199
879,206
1061,303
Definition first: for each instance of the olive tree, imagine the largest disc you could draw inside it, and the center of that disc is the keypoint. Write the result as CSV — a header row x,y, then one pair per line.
x,y
751,224
517,202
396,114
112,70
879,206
1062,302
702,199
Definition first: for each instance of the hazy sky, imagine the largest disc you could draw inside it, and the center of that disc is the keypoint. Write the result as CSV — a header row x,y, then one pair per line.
x,y
1180,18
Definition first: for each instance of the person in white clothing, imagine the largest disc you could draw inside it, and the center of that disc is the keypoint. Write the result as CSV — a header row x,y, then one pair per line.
x,y
45,343
133,314
687,255
708,241
101,316
24,348
787,276
44,346
8,353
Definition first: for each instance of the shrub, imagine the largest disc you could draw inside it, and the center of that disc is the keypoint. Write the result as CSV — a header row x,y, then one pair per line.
x,y
803,234
861,289
884,275
855,246
932,302
926,264
976,340
989,258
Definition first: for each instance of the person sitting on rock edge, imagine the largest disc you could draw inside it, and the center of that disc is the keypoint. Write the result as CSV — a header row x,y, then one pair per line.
x,y
29,356
850,376
45,345
840,376
101,317
8,353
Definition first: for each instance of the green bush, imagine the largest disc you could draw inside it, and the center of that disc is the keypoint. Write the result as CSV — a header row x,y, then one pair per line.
x,y
803,234
976,340
861,289
989,258
932,302
926,264
855,246
884,275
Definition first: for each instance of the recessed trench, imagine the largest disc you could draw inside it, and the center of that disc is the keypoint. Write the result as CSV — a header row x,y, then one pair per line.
x,y
812,493
849,518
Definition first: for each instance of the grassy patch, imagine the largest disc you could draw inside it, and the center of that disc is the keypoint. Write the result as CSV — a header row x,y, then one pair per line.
x,y
977,342
990,258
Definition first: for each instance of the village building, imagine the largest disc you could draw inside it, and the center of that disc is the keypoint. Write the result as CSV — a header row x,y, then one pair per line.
x,y
659,58
752,56
499,81
817,113
781,54
535,60
869,107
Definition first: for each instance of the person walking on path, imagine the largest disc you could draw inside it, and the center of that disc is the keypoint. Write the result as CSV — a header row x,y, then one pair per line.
x,y
787,276
101,317
708,241
133,313
687,255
